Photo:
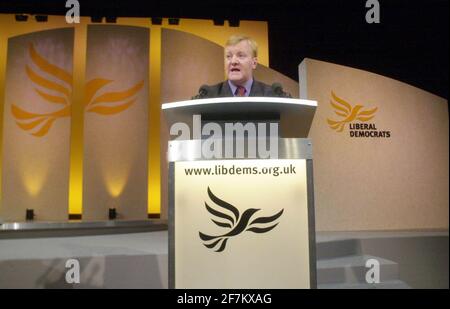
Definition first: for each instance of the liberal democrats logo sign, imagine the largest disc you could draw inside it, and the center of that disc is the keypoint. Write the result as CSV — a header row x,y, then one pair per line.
x,y
357,117
54,85
228,216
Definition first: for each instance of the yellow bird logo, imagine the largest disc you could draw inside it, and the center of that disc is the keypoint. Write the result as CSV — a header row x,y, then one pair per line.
x,y
109,103
60,92
349,113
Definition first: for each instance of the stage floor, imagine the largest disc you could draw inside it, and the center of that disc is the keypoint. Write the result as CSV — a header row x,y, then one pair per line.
x,y
417,259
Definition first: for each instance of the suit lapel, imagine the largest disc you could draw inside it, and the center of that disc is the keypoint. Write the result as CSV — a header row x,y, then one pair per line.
x,y
256,90
225,90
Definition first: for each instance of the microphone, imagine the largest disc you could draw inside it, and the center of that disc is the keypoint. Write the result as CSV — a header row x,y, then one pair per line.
x,y
278,90
202,92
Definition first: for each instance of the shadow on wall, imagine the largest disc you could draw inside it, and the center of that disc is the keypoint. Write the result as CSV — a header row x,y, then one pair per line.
x,y
423,261
115,271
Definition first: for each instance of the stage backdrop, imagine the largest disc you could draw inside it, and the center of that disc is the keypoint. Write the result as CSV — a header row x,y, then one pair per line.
x,y
184,70
36,125
10,28
115,122
380,151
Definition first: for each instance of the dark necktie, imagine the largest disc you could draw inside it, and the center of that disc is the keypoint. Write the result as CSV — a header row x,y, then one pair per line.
x,y
240,91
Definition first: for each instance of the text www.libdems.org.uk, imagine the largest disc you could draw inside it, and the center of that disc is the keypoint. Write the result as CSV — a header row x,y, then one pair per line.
x,y
220,170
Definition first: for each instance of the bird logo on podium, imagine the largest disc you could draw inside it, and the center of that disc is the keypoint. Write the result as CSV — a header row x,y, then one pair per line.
x,y
349,113
235,222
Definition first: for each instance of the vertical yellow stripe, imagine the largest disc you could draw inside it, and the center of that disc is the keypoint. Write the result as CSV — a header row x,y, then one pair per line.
x,y
154,183
3,52
77,120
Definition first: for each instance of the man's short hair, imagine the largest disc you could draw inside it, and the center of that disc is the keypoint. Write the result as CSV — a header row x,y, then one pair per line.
x,y
236,39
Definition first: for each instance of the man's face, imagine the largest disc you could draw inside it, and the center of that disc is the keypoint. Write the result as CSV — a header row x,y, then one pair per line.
x,y
239,62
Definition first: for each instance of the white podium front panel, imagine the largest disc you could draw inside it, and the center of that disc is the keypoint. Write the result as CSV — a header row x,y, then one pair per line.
x,y
241,224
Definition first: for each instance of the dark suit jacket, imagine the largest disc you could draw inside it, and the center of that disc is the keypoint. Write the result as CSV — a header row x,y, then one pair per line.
x,y
223,89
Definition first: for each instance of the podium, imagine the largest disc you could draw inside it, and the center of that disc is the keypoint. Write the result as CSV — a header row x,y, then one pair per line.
x,y
241,196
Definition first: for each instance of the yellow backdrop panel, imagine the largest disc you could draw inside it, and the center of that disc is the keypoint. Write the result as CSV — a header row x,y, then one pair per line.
x,y
36,125
376,183
115,122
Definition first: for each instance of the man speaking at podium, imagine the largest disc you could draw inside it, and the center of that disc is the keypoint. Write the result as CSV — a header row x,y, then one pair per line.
x,y
241,59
